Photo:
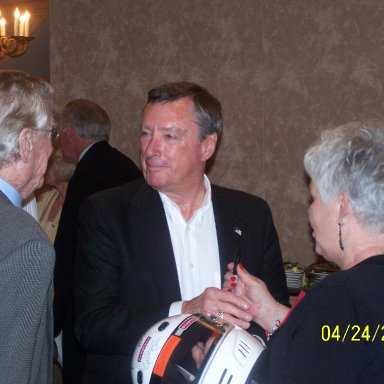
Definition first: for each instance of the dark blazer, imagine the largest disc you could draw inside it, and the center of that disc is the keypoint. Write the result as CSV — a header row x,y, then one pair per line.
x,y
101,167
126,277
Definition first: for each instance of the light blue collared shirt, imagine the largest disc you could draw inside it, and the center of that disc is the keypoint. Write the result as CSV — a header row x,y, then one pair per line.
x,y
10,192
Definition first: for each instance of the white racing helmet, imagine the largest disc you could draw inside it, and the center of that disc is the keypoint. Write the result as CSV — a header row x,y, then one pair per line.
x,y
163,354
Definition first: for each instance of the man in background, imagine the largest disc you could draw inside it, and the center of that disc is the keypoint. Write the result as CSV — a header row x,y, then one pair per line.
x,y
27,257
85,128
160,247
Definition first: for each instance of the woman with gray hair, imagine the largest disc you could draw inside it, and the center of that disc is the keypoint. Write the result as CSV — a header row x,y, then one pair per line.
x,y
335,332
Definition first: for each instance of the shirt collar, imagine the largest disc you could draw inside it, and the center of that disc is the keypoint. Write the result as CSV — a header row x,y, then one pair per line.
x,y
10,192
205,204
85,150
207,197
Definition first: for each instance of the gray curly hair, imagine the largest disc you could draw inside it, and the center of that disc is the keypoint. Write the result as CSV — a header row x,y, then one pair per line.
x,y
350,159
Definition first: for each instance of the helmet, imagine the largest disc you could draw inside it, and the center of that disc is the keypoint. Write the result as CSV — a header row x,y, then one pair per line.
x,y
163,354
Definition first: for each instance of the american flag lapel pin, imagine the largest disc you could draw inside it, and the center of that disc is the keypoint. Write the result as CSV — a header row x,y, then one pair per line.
x,y
238,231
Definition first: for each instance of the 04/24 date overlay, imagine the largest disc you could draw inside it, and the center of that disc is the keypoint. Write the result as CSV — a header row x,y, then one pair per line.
x,y
352,332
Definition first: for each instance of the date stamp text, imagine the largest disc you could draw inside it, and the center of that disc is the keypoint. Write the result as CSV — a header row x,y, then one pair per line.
x,y
352,332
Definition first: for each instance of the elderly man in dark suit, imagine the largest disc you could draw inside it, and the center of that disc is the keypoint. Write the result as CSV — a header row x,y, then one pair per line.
x,y
160,247
85,129
27,257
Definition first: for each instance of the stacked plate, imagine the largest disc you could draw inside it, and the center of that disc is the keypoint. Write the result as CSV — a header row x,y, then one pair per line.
x,y
318,276
318,272
294,278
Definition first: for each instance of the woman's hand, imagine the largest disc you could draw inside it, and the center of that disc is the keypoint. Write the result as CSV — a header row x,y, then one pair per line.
x,y
200,349
263,307
233,284
198,353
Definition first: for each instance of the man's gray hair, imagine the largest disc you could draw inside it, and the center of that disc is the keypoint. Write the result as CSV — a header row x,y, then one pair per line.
x,y
350,159
88,119
25,102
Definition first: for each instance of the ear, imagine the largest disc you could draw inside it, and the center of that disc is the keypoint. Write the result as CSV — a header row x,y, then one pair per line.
x,y
69,131
208,147
345,207
25,144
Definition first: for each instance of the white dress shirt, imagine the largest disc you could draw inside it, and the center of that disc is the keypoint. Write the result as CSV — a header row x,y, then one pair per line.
x,y
195,248
30,206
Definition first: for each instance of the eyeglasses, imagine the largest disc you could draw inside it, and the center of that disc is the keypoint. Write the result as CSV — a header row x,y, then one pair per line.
x,y
55,133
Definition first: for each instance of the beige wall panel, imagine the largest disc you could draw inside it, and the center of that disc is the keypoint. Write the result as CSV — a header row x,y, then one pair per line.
x,y
283,69
323,64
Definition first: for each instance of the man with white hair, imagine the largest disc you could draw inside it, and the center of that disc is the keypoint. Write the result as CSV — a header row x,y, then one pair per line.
x,y
26,255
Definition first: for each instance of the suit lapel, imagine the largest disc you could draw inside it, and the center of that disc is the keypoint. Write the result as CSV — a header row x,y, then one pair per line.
x,y
230,230
152,227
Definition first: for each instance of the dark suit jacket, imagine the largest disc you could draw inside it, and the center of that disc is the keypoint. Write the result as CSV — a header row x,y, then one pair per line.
x,y
101,167
126,276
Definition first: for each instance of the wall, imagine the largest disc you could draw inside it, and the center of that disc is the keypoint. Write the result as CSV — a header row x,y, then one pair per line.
x,y
284,71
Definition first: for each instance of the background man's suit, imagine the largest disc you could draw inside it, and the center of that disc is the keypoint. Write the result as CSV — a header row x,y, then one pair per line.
x,y
126,277
101,167
27,260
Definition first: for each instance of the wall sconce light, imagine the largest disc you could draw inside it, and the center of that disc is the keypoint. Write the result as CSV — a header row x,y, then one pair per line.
x,y
18,43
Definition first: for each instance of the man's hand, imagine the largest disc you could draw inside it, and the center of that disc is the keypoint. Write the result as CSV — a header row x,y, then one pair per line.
x,y
223,306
